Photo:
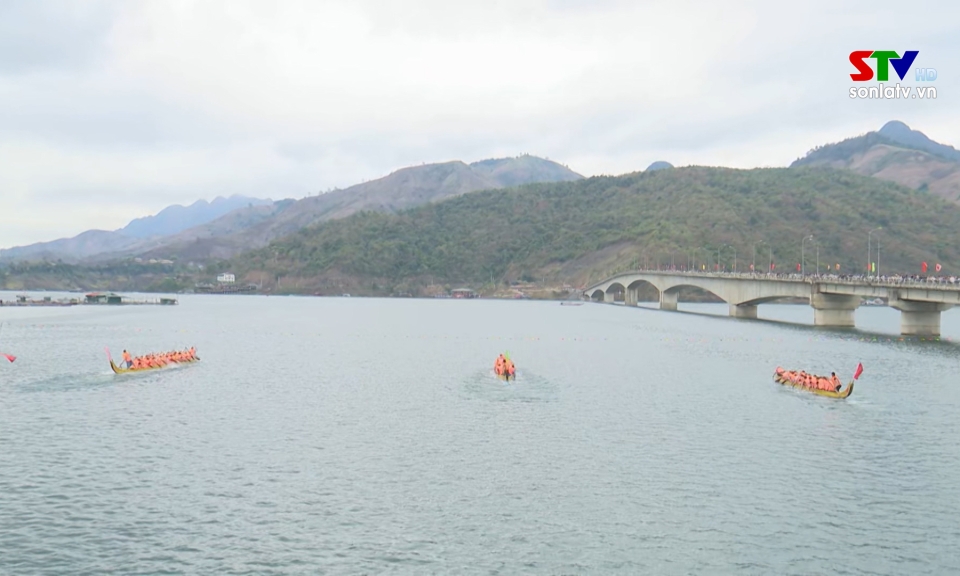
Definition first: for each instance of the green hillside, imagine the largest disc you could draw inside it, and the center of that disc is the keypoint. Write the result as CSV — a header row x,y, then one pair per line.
x,y
580,231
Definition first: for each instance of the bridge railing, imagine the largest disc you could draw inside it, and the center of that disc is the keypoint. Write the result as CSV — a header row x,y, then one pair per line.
x,y
890,281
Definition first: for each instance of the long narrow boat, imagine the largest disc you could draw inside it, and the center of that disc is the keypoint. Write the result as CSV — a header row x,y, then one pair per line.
x,y
781,379
121,370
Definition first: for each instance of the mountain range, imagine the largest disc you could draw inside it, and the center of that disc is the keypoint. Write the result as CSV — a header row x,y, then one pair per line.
x,y
510,218
140,232
226,227
405,188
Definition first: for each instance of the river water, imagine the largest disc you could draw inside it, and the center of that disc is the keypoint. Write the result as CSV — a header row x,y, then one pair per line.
x,y
347,436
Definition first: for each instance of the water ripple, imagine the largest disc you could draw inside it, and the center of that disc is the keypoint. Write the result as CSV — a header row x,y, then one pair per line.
x,y
316,438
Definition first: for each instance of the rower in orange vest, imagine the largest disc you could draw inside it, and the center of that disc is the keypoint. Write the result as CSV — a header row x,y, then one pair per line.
x,y
127,359
837,385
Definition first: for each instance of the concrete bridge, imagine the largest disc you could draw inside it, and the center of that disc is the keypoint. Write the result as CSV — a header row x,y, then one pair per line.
x,y
834,299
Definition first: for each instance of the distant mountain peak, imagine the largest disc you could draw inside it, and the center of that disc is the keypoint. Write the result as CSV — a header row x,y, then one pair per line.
x,y
897,153
169,221
902,134
659,165
894,127
176,218
523,169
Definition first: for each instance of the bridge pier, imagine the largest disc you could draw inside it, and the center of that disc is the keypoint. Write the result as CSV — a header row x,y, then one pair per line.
x,y
668,300
631,297
609,297
834,310
743,311
918,318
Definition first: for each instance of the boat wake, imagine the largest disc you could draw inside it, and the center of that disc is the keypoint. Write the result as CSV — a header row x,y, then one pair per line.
x,y
68,382
526,387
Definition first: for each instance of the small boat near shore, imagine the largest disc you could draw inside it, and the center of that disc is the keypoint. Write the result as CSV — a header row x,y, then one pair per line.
x,y
782,376
566,303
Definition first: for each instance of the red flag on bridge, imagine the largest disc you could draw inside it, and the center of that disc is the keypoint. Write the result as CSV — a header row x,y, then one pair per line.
x,y
938,267
923,267
859,371
10,357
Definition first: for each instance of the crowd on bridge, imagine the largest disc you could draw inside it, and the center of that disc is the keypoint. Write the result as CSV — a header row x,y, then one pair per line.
x,y
897,279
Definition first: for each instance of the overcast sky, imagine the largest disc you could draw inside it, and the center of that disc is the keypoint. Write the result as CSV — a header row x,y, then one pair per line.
x,y
113,110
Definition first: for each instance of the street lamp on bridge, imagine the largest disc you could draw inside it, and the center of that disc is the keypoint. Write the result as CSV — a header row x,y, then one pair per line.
x,y
869,267
730,246
706,254
753,267
878,257
818,259
803,271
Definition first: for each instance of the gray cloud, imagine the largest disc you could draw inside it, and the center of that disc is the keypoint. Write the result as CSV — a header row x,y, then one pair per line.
x,y
38,35
112,110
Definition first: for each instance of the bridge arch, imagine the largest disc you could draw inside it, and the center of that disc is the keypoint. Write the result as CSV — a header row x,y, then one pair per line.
x,y
641,288
675,289
614,291
765,300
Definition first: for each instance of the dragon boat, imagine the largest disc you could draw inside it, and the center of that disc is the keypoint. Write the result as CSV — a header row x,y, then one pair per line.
x,y
781,377
501,370
123,370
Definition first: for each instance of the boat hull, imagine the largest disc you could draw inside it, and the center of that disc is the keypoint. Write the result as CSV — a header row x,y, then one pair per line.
x,y
120,370
826,393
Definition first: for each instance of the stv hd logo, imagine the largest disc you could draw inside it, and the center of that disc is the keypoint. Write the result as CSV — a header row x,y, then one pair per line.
x,y
885,59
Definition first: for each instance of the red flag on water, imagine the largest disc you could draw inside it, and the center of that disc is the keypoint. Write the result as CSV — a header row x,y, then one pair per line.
x,y
938,267
859,371
10,357
923,267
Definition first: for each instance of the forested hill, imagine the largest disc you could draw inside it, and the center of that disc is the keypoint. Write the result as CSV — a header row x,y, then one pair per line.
x,y
578,231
